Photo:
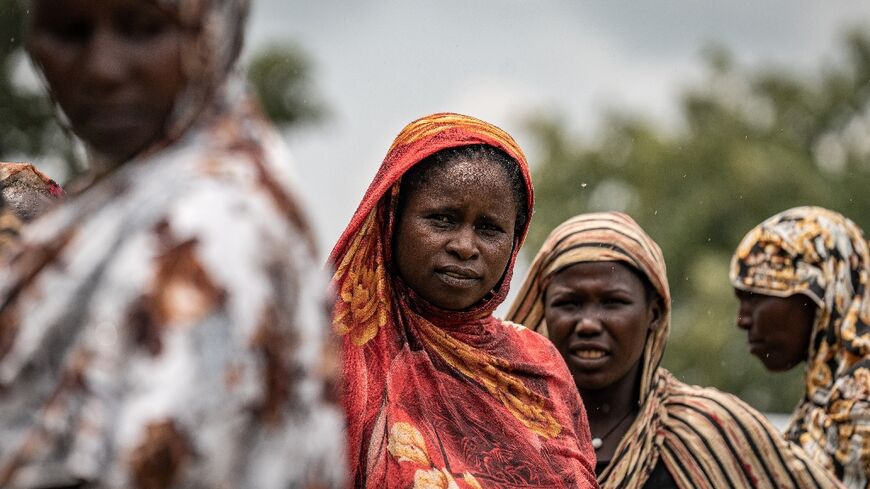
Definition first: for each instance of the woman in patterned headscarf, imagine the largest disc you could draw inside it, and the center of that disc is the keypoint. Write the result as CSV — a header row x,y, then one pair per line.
x,y
598,289
165,327
803,281
438,392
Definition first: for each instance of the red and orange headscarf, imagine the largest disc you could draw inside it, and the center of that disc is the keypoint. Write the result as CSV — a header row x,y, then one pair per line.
x,y
441,398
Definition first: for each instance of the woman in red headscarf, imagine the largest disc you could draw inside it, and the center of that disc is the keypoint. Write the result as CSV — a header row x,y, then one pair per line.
x,y
439,393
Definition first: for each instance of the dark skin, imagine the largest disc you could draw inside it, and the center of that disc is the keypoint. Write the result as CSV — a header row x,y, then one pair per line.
x,y
455,235
778,328
114,67
599,315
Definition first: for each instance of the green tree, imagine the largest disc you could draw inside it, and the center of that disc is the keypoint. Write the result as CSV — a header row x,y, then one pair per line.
x,y
753,143
25,116
281,75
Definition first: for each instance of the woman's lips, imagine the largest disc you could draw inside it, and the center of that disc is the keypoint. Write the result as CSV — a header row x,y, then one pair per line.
x,y
589,354
586,357
756,347
112,120
458,281
458,277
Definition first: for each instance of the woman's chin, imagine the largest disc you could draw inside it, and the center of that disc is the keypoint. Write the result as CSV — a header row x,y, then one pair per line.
x,y
776,364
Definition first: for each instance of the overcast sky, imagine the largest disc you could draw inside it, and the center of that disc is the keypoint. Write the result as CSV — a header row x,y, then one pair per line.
x,y
380,64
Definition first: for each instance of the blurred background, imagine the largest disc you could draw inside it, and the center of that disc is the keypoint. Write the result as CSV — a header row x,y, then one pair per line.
x,y
698,119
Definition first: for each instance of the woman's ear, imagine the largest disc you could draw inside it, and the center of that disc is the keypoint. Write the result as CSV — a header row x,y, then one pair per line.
x,y
656,310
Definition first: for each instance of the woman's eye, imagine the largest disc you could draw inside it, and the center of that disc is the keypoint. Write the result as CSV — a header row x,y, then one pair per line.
x,y
489,229
562,304
440,220
141,29
616,301
70,30
139,26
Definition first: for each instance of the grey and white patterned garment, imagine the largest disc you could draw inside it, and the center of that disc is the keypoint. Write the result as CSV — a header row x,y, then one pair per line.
x,y
167,327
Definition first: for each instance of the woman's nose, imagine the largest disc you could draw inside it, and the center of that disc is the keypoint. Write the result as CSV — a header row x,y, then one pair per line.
x,y
104,61
744,316
588,325
462,244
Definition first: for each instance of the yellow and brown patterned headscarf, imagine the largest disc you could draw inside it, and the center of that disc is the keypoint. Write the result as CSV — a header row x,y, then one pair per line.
x,y
823,255
704,438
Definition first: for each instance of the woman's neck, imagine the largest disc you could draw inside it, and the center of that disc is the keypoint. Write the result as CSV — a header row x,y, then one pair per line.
x,y
612,409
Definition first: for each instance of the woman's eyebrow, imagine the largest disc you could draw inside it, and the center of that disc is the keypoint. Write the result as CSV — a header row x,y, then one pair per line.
x,y
440,207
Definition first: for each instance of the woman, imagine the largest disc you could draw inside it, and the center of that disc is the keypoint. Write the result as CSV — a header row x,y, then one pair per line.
x,y
165,326
439,393
598,289
802,280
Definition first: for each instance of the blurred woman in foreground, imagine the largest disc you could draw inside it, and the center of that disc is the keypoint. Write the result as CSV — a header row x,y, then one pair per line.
x,y
803,281
165,327
598,289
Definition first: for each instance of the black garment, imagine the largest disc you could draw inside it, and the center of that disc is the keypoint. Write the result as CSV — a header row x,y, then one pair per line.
x,y
660,478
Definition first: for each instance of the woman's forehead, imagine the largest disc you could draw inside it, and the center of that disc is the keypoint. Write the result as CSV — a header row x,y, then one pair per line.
x,y
464,170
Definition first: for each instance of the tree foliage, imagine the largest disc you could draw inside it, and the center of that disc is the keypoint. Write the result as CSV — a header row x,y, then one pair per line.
x,y
25,115
281,76
753,142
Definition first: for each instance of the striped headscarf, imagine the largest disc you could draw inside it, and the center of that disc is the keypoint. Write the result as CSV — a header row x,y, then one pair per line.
x,y
437,398
705,438
823,255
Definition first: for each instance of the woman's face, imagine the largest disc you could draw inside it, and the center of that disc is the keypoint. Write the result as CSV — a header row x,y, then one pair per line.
x,y
598,316
455,235
114,66
779,328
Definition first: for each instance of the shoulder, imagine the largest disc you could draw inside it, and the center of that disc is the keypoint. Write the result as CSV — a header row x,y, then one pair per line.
x,y
535,355
711,401
223,237
728,428
534,343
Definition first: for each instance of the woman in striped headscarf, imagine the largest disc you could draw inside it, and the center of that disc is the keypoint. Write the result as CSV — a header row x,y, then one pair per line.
x,y
598,289
440,394
803,281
